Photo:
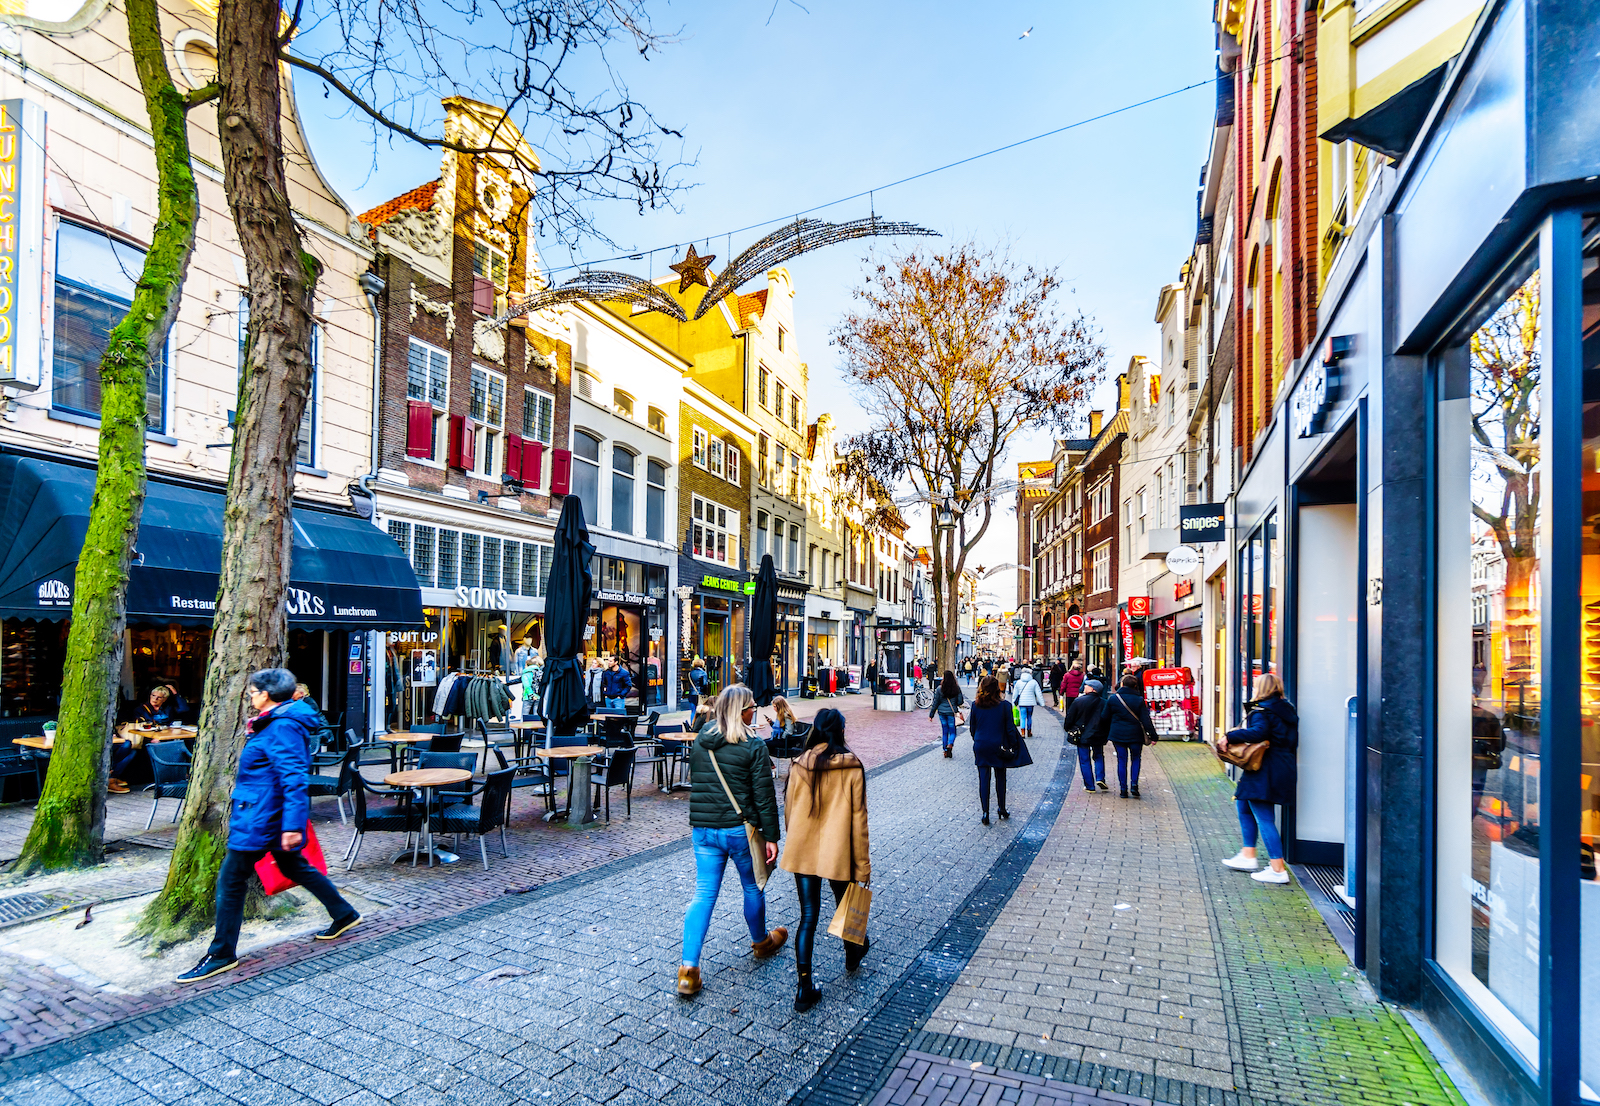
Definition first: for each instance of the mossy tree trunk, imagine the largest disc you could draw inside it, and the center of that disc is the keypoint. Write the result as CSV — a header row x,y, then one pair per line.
x,y
69,822
251,627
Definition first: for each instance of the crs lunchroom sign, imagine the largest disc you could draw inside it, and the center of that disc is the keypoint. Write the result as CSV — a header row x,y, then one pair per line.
x,y
1202,522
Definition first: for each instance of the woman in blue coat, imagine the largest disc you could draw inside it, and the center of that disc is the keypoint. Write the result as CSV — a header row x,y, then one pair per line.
x,y
1272,719
993,732
269,809
1125,721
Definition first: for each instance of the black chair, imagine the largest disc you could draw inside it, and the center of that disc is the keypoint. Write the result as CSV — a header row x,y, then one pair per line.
x,y
454,793
500,733
402,817
617,772
675,752
444,743
338,785
169,761
649,751
489,816
531,771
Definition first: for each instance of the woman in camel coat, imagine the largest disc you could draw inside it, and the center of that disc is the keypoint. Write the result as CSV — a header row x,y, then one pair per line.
x,y
826,806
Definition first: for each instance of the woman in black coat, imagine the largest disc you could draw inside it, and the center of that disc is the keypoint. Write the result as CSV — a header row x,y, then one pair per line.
x,y
1125,721
1272,719
993,731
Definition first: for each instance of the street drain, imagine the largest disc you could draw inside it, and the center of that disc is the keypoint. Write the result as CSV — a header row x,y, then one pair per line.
x,y
29,905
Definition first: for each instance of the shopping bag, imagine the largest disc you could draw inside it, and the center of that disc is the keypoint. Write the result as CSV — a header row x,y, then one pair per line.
x,y
850,920
274,881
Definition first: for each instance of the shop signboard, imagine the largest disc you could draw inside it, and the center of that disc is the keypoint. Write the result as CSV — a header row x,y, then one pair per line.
x,y
1202,522
22,143
1138,606
1074,622
1030,631
717,583
1127,635
482,599
1183,589
627,597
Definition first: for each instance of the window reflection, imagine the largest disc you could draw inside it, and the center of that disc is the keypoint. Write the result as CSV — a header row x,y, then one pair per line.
x,y
1589,770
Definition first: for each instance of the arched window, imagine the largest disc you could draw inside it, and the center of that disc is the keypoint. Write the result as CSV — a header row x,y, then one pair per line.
x,y
586,473
621,490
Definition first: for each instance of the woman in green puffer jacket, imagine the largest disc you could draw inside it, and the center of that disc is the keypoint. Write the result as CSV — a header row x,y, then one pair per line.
x,y
718,829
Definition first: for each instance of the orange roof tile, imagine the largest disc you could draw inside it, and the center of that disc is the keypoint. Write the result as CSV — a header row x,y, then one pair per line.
x,y
420,197
750,306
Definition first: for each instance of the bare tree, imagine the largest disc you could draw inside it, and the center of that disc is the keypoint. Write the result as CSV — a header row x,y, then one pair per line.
x,y
954,353
388,58
69,823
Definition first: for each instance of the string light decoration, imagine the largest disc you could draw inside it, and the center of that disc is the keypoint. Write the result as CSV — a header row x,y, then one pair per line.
x,y
600,286
792,240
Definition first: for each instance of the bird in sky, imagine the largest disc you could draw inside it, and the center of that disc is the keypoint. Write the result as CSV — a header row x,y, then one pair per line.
x,y
1025,34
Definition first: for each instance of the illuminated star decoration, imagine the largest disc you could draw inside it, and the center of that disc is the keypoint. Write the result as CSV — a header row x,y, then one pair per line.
x,y
692,270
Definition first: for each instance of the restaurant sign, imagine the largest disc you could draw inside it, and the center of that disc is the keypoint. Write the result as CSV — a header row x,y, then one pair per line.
x,y
21,241
717,582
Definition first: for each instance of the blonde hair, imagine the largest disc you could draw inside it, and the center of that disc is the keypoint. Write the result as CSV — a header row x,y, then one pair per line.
x,y
1266,684
697,663
729,711
780,707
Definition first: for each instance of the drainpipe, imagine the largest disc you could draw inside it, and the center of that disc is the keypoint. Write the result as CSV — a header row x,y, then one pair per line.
x,y
372,286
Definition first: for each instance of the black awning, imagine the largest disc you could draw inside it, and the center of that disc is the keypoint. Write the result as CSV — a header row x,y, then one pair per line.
x,y
1390,127
346,573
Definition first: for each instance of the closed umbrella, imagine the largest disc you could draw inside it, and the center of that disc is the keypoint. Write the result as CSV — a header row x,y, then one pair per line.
x,y
763,633
566,613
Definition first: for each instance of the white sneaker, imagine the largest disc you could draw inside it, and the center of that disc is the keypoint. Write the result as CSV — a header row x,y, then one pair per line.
x,y
1242,863
1267,875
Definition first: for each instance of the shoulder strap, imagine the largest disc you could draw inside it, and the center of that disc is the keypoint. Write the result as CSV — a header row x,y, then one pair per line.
x,y
726,790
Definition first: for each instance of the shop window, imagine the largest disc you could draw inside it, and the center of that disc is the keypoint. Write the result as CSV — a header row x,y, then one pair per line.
x,y
95,278
655,501
427,401
33,655
622,463
1588,780
538,415
586,474
1488,756
656,419
471,560
449,558
488,410
714,532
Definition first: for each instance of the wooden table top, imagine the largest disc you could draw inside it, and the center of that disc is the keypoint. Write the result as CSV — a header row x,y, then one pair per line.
x,y
33,742
527,725
427,777
406,738
568,752
174,733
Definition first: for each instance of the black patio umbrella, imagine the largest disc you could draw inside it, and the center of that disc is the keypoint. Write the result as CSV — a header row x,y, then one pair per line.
x,y
566,613
763,633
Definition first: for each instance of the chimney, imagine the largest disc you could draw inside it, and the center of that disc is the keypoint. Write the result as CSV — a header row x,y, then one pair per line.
x,y
1095,419
1122,392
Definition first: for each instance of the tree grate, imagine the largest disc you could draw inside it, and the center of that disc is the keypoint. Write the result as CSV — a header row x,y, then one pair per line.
x,y
28,905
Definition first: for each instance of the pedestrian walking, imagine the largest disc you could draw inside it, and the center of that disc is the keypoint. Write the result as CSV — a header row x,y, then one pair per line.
x,y
697,680
826,805
947,702
1071,684
1274,720
271,805
996,744
1126,723
616,685
1082,724
726,768
1002,677
1027,695
1058,672
594,681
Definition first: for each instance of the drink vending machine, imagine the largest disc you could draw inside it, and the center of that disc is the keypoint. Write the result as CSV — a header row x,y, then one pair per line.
x,y
1174,706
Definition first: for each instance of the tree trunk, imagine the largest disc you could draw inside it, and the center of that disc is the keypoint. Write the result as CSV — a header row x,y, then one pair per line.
x,y
69,822
251,627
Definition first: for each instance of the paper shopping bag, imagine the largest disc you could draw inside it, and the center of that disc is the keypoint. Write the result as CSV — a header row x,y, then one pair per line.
x,y
850,920
273,880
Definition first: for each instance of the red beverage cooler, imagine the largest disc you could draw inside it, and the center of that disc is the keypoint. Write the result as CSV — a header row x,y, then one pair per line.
x,y
1174,707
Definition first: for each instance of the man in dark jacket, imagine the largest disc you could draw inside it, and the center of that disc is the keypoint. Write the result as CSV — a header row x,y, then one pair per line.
x,y
270,807
616,685
1057,671
1083,718
1127,724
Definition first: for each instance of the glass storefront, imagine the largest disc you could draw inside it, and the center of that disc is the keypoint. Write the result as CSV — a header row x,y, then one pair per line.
x,y
1260,569
1588,780
628,621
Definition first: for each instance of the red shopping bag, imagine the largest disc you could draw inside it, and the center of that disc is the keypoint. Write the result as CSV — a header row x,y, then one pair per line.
x,y
274,881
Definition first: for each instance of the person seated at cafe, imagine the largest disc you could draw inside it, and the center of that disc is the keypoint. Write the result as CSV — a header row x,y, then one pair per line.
x,y
161,707
702,715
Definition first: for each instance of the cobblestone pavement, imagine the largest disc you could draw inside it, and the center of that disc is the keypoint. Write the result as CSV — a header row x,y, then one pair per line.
x,y
561,995
42,1001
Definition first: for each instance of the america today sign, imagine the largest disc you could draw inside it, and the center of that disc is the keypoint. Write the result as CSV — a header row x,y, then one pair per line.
x,y
1202,522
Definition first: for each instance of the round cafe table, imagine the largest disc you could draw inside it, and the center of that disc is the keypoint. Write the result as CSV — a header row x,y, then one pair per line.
x,y
425,780
580,804
397,741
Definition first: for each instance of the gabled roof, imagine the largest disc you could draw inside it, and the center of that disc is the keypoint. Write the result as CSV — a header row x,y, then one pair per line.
x,y
419,198
751,306
1077,445
1113,430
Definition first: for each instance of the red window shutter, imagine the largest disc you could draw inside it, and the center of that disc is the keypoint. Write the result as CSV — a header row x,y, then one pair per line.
x,y
532,464
469,443
483,295
419,429
458,427
560,471
514,457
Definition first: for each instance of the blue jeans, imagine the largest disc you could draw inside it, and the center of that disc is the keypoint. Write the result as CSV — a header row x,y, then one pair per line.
x,y
1092,764
1255,813
1027,719
713,848
947,729
616,703
1126,753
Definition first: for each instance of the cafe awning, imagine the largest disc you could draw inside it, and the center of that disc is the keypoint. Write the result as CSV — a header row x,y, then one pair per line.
x,y
346,574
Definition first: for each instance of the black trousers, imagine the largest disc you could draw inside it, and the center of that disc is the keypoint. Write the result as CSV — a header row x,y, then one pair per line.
x,y
234,879
999,786
809,891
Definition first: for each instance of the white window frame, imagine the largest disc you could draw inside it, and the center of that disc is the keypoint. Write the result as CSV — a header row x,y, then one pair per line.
x,y
714,456
488,452
441,411
731,462
1100,567
533,399
725,522
699,439
495,253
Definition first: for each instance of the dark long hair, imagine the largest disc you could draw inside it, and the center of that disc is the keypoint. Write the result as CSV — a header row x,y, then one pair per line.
x,y
826,736
988,692
948,686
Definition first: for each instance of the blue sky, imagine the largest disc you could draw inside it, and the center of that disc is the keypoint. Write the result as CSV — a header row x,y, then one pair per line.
x,y
846,95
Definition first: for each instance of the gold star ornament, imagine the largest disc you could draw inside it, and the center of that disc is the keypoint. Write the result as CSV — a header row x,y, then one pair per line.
x,y
692,270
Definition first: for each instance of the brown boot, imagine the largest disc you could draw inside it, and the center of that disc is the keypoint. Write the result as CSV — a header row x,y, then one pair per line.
x,y
769,947
688,981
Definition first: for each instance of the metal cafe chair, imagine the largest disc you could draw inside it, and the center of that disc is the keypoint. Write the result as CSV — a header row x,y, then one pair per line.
x,y
169,762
